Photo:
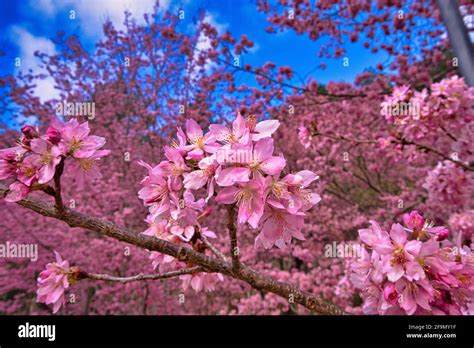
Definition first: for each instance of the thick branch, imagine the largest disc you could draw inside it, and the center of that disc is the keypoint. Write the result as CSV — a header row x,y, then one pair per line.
x,y
107,277
209,264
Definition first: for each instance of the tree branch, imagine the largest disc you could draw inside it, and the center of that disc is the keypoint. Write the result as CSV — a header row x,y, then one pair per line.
x,y
234,249
209,264
211,247
57,186
401,142
440,154
138,277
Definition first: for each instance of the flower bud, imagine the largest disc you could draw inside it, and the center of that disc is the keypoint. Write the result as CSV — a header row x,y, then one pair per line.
x,y
390,293
442,234
29,132
53,135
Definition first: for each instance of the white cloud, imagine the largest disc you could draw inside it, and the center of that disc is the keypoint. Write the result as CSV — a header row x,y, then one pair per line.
x,y
92,13
211,18
28,44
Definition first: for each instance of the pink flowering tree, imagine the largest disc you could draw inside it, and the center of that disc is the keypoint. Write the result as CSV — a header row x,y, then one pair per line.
x,y
194,194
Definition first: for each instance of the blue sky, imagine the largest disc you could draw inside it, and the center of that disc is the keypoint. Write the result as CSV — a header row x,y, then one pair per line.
x,y
28,26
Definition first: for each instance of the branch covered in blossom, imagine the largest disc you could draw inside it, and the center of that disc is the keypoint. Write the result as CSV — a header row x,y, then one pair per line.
x,y
238,161
210,264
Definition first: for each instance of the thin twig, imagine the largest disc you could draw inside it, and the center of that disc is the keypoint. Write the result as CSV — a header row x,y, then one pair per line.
x,y
234,249
57,186
211,247
440,154
138,277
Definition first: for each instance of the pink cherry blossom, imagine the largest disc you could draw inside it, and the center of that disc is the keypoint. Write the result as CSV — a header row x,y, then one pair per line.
x,y
174,167
205,175
52,282
263,162
156,191
164,263
200,143
87,168
76,141
27,171
414,221
417,276
262,129
414,295
240,132
8,161
53,135
299,196
17,191
46,157
279,226
249,198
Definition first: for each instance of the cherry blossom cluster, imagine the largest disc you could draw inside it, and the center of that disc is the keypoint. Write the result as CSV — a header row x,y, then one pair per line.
x,y
449,184
446,106
413,269
238,165
463,227
33,162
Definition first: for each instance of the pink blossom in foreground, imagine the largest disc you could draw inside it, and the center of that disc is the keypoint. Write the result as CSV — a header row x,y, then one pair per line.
x,y
17,191
240,133
200,143
414,221
76,141
263,129
87,168
8,162
249,198
204,176
52,282
33,164
236,166
399,275
279,226
46,157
